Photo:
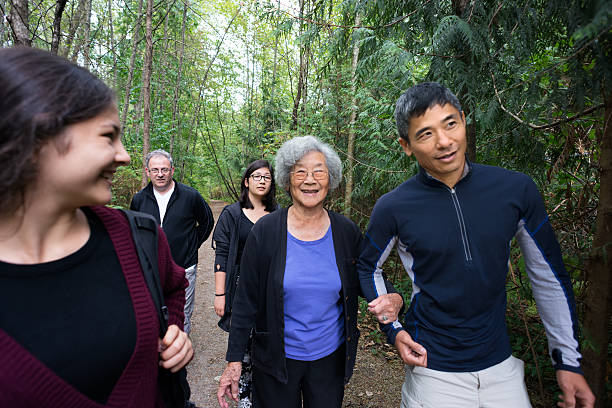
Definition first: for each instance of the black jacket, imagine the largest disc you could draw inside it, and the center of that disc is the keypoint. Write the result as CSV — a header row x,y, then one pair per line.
x,y
187,223
227,231
259,298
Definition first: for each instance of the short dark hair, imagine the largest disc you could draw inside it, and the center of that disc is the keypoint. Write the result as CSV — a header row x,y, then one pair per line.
x,y
40,94
269,200
416,100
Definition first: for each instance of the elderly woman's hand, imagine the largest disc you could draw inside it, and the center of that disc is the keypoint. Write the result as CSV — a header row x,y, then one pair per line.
x,y
175,349
228,383
386,307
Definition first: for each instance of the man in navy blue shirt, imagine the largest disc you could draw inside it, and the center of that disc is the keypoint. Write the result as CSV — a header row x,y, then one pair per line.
x,y
452,224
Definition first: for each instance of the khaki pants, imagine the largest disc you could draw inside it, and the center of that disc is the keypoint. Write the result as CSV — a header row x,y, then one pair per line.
x,y
499,386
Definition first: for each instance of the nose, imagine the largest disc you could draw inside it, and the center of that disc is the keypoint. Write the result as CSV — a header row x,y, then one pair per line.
x,y
310,177
121,155
443,140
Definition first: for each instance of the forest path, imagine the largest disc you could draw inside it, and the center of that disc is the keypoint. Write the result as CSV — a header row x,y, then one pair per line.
x,y
378,373
209,341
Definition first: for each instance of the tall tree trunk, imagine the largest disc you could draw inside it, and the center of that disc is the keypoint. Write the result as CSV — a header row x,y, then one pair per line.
x,y
175,114
300,84
350,149
111,43
146,87
19,21
84,39
57,25
459,7
128,85
75,22
599,295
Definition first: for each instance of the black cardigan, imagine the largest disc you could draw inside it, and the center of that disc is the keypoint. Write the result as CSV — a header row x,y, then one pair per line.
x,y
227,230
259,298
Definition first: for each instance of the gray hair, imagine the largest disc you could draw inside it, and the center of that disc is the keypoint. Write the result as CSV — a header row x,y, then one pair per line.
x,y
158,152
416,100
294,149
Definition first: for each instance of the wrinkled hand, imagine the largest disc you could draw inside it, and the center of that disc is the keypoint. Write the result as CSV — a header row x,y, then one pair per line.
x,y
228,383
386,307
576,391
175,349
411,352
220,305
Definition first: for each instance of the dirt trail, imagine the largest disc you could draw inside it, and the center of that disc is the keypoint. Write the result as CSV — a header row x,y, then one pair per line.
x,y
209,341
376,380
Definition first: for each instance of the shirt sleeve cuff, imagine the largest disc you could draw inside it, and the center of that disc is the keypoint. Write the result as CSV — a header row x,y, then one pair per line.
x,y
577,370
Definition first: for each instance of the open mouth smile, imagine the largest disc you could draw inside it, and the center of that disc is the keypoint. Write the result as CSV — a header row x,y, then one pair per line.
x,y
447,157
108,175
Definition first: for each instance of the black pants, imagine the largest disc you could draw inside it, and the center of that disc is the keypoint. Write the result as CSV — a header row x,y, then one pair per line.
x,y
320,383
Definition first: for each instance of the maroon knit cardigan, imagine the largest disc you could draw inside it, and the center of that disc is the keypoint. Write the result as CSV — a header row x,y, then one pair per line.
x,y
25,382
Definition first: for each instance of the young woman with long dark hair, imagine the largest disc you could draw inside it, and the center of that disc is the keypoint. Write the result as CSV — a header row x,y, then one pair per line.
x,y
78,327
257,198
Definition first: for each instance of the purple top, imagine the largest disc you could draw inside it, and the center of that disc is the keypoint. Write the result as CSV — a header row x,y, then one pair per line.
x,y
314,325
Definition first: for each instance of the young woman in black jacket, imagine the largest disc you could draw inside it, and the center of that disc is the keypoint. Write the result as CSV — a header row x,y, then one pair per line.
x,y
257,198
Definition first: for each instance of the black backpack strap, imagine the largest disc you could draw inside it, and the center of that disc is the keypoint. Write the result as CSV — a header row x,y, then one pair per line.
x,y
145,235
173,386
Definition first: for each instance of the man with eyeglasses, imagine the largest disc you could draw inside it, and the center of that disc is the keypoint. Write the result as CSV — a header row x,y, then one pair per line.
x,y
183,214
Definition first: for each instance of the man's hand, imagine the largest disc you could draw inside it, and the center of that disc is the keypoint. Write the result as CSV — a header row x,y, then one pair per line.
x,y
175,349
576,391
386,307
220,305
411,352
228,383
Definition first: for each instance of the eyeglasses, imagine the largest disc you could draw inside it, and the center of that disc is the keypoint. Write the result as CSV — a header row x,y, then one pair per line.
x,y
165,170
301,175
258,177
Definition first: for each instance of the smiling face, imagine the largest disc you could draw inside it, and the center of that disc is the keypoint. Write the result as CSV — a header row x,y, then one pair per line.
x,y
309,193
259,188
437,141
83,173
160,172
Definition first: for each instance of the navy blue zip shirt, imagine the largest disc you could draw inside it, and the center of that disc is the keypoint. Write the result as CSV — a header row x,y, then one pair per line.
x,y
455,246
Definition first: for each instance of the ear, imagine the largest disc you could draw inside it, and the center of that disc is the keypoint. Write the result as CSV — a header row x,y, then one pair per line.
x,y
246,182
405,146
463,117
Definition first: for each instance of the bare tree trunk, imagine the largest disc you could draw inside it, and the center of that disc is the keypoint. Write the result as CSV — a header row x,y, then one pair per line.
x,y
300,84
599,296
86,35
163,81
146,87
18,19
176,120
459,8
128,85
57,25
84,39
350,150
75,22
111,45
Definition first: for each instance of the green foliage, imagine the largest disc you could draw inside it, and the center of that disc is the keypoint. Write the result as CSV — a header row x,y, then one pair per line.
x,y
525,73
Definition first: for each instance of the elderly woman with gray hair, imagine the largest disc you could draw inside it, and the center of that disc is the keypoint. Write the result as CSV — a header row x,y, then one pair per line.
x,y
299,290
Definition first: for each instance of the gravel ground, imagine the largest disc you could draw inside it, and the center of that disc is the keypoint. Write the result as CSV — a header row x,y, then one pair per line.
x,y
378,375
